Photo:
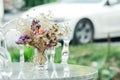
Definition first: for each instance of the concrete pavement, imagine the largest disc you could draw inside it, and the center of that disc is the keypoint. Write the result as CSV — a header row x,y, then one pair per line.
x,y
9,16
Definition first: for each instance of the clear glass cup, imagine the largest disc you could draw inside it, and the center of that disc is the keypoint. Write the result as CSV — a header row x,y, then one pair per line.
x,y
10,35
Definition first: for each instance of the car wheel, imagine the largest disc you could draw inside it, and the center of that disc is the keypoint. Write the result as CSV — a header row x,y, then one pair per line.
x,y
83,32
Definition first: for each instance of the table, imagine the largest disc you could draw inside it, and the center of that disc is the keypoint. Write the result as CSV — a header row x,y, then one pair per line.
x,y
54,72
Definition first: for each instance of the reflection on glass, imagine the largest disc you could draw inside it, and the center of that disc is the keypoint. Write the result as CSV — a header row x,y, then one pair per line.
x,y
54,72
40,74
21,55
21,75
66,70
52,54
2,57
1,39
5,64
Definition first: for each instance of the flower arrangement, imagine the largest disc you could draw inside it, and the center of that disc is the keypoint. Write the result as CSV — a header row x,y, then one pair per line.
x,y
41,33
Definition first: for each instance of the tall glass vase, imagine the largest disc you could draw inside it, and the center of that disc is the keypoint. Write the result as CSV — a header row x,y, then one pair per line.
x,y
65,51
21,72
52,54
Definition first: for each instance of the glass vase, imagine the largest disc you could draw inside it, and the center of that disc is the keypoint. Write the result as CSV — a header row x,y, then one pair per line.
x,y
65,51
40,60
52,54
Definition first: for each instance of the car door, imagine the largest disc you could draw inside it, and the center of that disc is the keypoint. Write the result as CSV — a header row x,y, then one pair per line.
x,y
108,18
112,18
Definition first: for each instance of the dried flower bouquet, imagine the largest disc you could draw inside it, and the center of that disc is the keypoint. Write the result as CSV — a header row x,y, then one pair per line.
x,y
41,33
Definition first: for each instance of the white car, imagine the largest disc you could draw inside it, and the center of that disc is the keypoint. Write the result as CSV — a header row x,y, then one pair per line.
x,y
88,19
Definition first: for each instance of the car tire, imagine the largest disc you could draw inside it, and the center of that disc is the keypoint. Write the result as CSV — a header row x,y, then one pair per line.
x,y
83,32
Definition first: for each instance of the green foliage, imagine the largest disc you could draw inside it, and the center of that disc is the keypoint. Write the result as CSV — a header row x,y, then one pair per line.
x,y
29,52
15,55
58,55
31,3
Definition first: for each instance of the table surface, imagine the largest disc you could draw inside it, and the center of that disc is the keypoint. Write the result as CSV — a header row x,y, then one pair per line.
x,y
54,72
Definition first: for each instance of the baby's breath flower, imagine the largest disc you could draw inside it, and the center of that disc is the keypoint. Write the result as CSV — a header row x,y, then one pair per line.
x,y
41,33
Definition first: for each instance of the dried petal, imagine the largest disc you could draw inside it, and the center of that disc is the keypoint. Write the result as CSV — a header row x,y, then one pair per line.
x,y
20,41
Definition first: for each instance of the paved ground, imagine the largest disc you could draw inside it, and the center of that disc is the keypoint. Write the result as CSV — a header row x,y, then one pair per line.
x,y
10,16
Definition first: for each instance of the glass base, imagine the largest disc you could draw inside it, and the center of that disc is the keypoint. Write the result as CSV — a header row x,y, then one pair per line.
x,y
64,63
41,67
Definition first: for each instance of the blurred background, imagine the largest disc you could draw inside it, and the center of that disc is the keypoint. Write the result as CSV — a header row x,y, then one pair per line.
x,y
95,37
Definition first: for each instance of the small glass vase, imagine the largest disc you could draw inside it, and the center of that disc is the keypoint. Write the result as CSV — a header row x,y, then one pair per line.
x,y
40,60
